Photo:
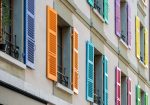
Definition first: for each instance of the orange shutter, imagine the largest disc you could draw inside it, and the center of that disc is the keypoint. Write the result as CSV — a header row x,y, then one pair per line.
x,y
51,44
75,61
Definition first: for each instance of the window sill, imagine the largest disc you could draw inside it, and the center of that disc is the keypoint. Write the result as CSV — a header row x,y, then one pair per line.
x,y
98,15
60,86
143,64
124,43
12,60
94,104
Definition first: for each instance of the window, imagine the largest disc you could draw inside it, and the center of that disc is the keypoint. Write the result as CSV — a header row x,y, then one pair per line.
x,y
98,5
64,53
142,43
123,89
17,30
123,12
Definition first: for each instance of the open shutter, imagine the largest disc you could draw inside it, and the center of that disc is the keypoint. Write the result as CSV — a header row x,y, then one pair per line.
x,y
129,25
118,86
138,95
89,71
129,91
29,33
137,37
117,18
51,39
106,11
105,67
75,61
91,2
146,98
146,47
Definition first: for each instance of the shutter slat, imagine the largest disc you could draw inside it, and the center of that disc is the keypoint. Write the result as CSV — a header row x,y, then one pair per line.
x,y
106,11
29,33
118,86
51,44
129,26
146,47
75,61
129,91
89,71
105,60
137,37
117,18
91,2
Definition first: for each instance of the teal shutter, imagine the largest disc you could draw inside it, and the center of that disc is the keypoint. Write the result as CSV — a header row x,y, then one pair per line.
x,y
138,95
106,11
105,67
89,71
91,2
146,98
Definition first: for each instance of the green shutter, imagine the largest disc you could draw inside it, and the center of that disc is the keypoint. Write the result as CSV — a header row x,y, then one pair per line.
x,y
138,95
106,11
90,71
91,2
146,98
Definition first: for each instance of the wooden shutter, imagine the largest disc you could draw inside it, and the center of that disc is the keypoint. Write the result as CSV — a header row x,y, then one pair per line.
x,y
106,11
75,61
137,26
29,33
146,47
89,71
146,98
138,95
91,2
117,18
51,42
129,91
129,25
118,86
105,67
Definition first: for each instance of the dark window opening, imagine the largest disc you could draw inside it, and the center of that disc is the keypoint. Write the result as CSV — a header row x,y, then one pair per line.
x,y
142,48
123,89
99,5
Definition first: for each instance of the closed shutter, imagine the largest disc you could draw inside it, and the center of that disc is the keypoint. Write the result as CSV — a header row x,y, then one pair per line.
x,y
146,98
117,18
118,86
91,2
146,47
89,71
138,95
29,33
129,91
106,11
105,61
129,25
75,61
137,37
51,39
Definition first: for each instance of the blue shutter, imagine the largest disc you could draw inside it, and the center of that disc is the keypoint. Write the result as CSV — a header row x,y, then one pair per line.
x,y
29,40
91,2
105,69
89,71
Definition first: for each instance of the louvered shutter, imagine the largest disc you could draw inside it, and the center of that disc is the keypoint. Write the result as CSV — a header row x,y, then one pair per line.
x,y
91,2
106,11
29,33
129,25
138,95
146,98
137,37
75,61
51,44
146,47
129,91
105,63
117,18
89,71
118,86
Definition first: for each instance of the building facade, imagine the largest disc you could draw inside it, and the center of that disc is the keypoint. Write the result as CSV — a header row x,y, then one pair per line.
x,y
73,52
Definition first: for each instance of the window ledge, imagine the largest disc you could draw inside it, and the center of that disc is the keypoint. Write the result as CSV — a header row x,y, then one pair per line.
x,y
12,60
124,43
98,15
60,86
94,104
143,64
